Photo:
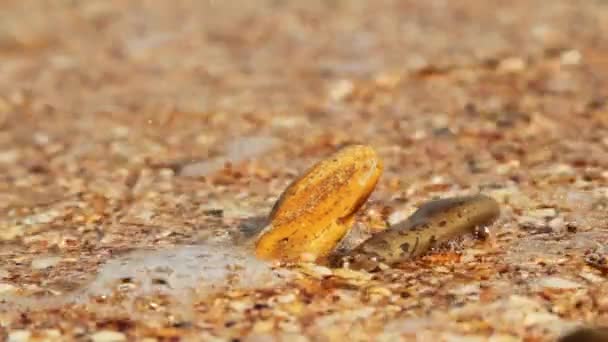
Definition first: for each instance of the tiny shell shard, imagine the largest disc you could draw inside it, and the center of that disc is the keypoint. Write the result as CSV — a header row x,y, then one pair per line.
x,y
433,223
317,209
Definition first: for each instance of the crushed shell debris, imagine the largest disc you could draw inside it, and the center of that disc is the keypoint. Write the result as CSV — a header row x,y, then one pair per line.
x,y
130,130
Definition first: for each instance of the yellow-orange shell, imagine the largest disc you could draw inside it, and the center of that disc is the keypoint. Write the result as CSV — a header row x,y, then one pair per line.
x,y
315,211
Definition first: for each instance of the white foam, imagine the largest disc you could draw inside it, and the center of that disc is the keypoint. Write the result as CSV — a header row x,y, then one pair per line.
x,y
184,273
203,268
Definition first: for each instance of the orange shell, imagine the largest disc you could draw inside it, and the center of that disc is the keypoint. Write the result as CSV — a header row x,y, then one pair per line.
x,y
315,211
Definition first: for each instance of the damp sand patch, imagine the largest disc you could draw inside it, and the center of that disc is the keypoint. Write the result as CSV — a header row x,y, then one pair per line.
x,y
181,273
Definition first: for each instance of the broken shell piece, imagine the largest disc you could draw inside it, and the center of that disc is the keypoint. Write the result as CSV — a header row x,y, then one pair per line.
x,y
433,223
315,212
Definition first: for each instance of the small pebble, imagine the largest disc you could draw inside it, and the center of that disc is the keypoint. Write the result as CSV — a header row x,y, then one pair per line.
x,y
558,283
4,273
19,336
4,288
9,157
45,262
542,213
467,289
571,57
396,217
286,298
108,336
341,89
511,65
314,270
557,224
592,277
346,273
